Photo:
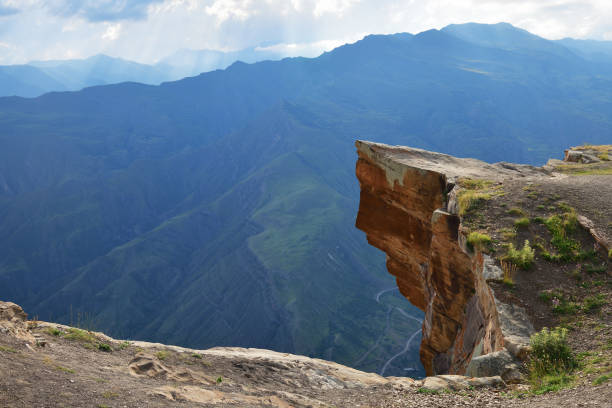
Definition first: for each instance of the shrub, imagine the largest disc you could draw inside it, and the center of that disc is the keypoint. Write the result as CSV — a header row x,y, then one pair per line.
x,y
53,331
161,355
523,258
516,211
104,347
477,240
509,270
610,253
522,222
550,353
602,379
595,302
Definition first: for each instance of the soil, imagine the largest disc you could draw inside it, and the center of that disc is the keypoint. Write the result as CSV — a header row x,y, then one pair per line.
x,y
73,373
590,331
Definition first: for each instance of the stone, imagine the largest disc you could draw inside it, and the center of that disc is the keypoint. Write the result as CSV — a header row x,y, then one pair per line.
x,y
440,383
489,364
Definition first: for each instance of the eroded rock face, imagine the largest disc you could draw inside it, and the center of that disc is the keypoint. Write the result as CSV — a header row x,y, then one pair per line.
x,y
405,211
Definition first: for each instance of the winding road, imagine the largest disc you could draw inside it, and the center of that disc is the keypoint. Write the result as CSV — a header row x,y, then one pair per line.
x,y
380,337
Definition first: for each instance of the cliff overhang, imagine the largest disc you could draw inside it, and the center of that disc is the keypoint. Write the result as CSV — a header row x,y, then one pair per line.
x,y
409,209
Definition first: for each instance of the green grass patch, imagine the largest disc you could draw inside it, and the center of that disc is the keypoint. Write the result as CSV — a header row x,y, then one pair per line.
x,y
7,349
602,379
594,303
551,361
516,211
53,331
105,347
507,234
474,192
477,240
522,222
523,258
162,355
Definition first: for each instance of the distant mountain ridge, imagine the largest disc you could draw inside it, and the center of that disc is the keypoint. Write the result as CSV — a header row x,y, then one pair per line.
x,y
39,77
219,209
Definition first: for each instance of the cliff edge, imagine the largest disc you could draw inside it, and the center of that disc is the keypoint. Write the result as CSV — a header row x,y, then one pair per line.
x,y
447,225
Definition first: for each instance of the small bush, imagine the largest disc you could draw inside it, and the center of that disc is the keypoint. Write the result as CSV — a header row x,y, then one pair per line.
x,y
550,353
477,240
591,269
196,355
104,347
54,331
507,234
610,253
522,222
219,380
509,270
516,211
161,355
523,258
593,303
602,379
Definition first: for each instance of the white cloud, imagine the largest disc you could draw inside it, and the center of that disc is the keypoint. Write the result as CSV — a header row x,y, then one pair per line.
x,y
337,7
231,9
151,29
113,31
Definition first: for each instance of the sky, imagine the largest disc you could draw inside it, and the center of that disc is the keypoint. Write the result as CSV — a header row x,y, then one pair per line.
x,y
148,30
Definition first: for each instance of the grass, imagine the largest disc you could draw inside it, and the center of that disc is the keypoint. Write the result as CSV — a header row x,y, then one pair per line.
x,y
522,222
591,269
53,331
507,234
110,394
474,192
427,391
561,227
509,270
104,347
602,379
594,303
162,355
478,241
610,253
196,355
7,349
64,369
522,258
551,361
516,211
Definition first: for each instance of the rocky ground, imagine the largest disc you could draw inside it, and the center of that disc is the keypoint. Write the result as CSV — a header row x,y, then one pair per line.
x,y
48,365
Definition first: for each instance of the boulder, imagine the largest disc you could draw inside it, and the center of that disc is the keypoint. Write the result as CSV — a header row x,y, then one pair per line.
x,y
459,382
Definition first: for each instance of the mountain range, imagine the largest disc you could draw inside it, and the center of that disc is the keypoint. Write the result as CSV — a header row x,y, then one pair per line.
x,y
219,209
39,77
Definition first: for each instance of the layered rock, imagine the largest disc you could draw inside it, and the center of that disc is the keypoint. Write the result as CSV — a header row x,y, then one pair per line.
x,y
408,209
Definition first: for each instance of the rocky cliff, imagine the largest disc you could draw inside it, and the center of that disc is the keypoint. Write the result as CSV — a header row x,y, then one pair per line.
x,y
410,207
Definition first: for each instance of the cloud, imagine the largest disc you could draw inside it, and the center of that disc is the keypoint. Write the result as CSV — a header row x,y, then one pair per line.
x,y
231,9
152,29
101,10
112,32
7,10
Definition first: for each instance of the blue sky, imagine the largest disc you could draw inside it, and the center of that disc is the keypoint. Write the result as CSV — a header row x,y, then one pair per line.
x,y
147,30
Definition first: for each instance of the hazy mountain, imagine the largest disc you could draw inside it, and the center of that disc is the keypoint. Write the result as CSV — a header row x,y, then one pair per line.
x,y
185,62
39,77
589,49
219,209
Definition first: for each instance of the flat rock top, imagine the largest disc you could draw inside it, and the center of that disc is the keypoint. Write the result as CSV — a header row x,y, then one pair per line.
x,y
452,167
